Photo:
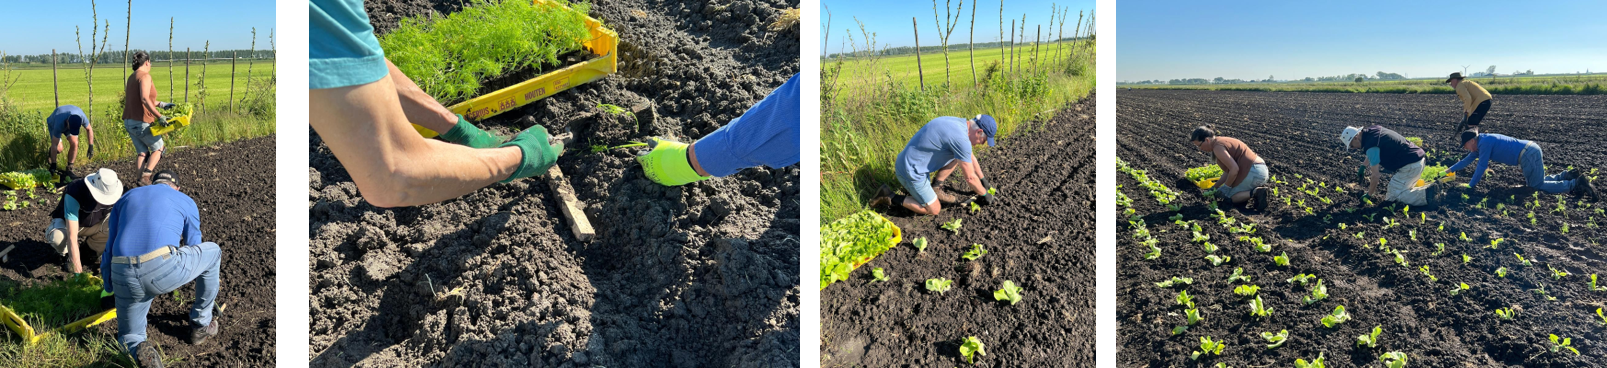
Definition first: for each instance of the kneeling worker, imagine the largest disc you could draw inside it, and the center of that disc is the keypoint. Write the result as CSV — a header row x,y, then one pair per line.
x,y
79,217
155,248
1388,151
942,145
1526,154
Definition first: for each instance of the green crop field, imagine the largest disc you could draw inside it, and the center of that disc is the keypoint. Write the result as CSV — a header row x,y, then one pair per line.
x,y
1561,84
33,90
903,66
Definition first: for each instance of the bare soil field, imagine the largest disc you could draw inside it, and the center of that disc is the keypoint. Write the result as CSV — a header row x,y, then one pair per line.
x,y
1339,242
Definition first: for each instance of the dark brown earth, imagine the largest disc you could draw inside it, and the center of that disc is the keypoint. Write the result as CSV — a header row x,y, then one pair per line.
x,y
1040,236
1297,134
236,198
691,276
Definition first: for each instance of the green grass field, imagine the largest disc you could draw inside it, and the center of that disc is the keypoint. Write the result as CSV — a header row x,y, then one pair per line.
x,y
874,106
33,90
1588,84
903,66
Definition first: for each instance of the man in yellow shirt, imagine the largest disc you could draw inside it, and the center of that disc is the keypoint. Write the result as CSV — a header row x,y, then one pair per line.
x,y
1475,101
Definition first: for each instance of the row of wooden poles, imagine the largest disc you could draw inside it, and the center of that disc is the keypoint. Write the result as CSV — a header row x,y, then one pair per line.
x,y
1078,32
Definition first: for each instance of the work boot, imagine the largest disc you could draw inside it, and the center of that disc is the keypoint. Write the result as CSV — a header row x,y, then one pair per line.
x,y
883,198
1572,174
198,335
1582,187
943,196
1260,196
1432,194
149,357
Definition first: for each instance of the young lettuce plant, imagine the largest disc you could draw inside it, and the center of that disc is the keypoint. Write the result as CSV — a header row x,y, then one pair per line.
x,y
1259,309
953,226
1246,290
975,252
1277,339
1501,272
1154,251
1218,260
1281,260
1317,293
1193,315
1208,347
1602,316
920,245
878,275
1459,289
1184,299
1557,345
1238,275
1506,313
1393,359
1175,280
1009,291
970,348
1208,247
939,285
1466,259
1301,279
1593,286
1370,340
1556,273
1316,363
1525,261
1337,317
1438,248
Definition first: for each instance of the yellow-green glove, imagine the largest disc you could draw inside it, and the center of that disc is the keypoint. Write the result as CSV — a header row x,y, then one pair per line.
x,y
667,163
469,135
538,153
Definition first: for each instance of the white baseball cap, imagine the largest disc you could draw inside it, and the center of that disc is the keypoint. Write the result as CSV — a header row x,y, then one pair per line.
x,y
1349,133
104,186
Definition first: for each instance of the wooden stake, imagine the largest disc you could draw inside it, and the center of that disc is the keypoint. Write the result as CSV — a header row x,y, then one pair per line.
x,y
1010,65
918,69
55,87
570,206
236,56
972,45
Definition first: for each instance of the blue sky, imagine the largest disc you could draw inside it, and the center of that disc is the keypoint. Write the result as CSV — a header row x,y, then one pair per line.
x,y
1295,39
890,20
34,27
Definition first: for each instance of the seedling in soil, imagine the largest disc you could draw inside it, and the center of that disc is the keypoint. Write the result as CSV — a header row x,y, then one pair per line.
x,y
1442,227
1175,218
1184,299
1393,359
1466,259
953,226
1317,293
1390,223
1362,235
939,285
1198,237
1207,347
1218,260
1459,289
1525,262
1431,277
1246,290
1209,248
1276,340
1009,292
1501,272
1281,260
1564,228
1179,330
1193,315
1556,273
1337,317
1370,340
1261,245
970,348
1563,344
1496,243
1370,217
1301,279
877,275
920,245
975,252
1342,226
1506,314
1464,234
1317,363
1154,251
1413,234
1238,275
1542,291
1438,248
1259,309
1602,316
1401,259
1382,242
1174,281
1593,286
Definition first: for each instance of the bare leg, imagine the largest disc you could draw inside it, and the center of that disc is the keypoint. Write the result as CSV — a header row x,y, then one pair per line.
x,y
909,203
1241,197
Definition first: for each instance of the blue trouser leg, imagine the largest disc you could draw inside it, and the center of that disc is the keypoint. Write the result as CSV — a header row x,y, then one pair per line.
x,y
1534,172
138,285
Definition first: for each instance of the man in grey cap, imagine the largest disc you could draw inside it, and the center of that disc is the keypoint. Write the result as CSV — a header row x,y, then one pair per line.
x,y
80,216
941,146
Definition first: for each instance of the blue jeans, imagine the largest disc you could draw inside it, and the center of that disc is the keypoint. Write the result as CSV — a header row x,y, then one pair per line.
x,y
1533,163
919,188
137,285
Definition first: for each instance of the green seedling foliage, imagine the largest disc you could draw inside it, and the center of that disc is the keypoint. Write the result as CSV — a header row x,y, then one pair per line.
x,y
1464,236
1179,330
975,252
1556,273
1193,315
953,226
1602,316
1246,290
920,245
1218,260
1209,347
1370,340
939,285
1393,359
449,57
1301,279
1009,292
855,239
1318,293
1277,339
1184,299
1494,243
1501,272
1174,281
1337,317
1259,309
878,275
975,207
970,348
1281,260
1461,287
1431,277
51,303
1506,313
1593,286
1208,247
1203,172
1522,260
1316,363
1438,248
1557,344
1466,259
1154,251
1238,275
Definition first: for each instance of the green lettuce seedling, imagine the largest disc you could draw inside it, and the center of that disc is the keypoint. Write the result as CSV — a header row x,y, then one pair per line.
x,y
1176,217
940,285
1506,313
953,226
1501,272
1496,243
1184,299
1281,260
878,275
1593,286
1382,243
1342,226
1556,273
1259,308
1246,290
975,207
1008,292
975,252
1602,316
1459,289
1179,330
1208,346
1218,260
1301,363
920,245
1337,317
1563,344
1464,234
1301,279
1413,234
1193,315
1317,293
1209,248
1154,251
1261,245
1466,259
1393,359
970,348
1175,280
1238,275
1439,248
1431,277
1525,262
1198,237
1276,340
1370,340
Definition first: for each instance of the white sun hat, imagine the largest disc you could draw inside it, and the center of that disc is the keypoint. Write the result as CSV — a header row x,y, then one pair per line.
x,y
104,186
1349,133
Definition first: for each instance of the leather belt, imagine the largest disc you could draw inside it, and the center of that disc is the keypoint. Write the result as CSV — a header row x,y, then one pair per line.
x,y
147,257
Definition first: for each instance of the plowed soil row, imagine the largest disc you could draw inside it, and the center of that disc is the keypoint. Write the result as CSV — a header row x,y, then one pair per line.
x,y
1040,236
1296,133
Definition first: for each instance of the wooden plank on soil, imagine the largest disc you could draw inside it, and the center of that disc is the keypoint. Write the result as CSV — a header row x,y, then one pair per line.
x,y
570,207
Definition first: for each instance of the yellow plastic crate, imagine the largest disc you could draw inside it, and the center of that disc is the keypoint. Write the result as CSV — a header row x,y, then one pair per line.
x,y
173,124
898,237
31,336
604,43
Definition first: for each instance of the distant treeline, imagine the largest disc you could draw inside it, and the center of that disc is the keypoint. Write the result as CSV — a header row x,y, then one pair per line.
x,y
902,50
116,57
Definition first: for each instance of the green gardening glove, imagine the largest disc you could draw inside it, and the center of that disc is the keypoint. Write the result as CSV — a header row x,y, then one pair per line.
x,y
469,135
538,153
667,163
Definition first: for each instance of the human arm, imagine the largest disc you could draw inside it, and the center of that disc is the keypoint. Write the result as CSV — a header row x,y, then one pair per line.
x,y
191,234
150,103
973,176
1230,168
70,214
1484,163
392,165
1374,174
766,134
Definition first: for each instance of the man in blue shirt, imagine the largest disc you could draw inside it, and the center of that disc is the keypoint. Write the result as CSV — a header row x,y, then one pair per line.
x,y
68,120
941,145
1526,154
766,134
154,248
1389,152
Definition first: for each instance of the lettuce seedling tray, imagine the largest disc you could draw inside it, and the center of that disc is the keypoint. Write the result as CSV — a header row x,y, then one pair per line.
x,y
862,249
31,336
604,43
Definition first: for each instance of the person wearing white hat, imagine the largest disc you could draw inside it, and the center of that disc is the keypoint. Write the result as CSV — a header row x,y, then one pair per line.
x,y
79,218
1389,152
